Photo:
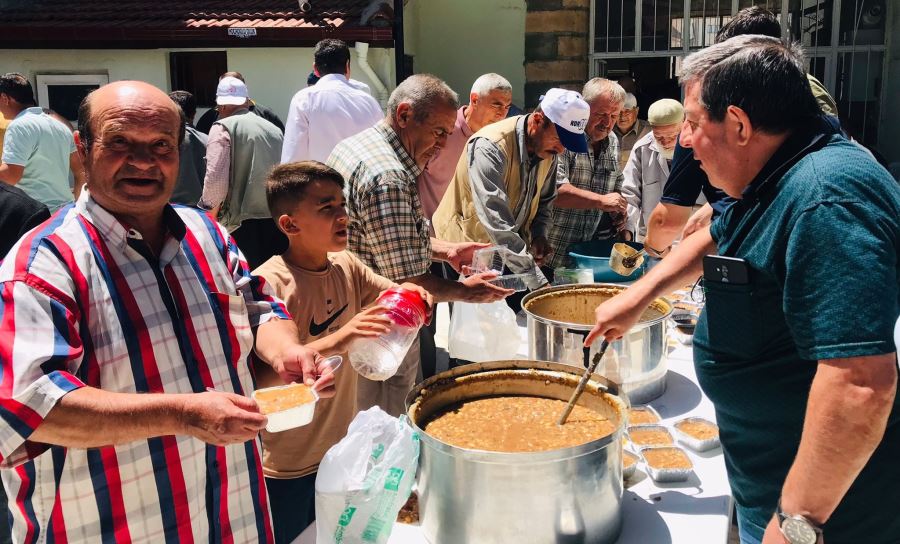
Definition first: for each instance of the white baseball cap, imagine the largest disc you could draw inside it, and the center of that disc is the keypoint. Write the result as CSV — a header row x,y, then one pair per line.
x,y
569,112
231,92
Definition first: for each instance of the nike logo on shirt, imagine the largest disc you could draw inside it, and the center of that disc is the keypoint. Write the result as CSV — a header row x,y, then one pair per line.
x,y
315,329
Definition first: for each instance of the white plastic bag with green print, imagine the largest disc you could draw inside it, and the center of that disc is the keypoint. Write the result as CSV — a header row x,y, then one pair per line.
x,y
365,479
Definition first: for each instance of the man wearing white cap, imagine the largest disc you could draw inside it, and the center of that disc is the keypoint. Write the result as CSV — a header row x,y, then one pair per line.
x,y
241,151
505,181
648,165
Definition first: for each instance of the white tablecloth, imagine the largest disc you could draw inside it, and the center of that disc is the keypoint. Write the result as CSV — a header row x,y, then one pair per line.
x,y
696,512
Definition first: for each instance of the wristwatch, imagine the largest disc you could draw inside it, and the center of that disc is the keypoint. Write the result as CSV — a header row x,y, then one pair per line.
x,y
659,254
798,529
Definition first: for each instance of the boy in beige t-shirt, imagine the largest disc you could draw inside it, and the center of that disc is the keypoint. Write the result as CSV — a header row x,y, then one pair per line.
x,y
325,289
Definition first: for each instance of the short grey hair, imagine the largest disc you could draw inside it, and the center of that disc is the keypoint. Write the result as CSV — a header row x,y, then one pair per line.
x,y
630,101
423,93
599,87
763,76
490,82
698,64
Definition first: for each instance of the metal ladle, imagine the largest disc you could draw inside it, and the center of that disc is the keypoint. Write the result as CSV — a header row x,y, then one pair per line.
x,y
624,259
583,383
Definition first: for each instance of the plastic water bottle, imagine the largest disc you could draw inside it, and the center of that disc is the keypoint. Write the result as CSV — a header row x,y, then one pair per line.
x,y
379,358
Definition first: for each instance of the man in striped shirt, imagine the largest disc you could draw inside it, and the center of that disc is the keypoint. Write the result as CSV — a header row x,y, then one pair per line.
x,y
125,327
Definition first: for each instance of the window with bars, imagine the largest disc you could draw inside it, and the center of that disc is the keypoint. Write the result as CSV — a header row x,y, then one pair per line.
x,y
862,22
809,22
657,30
622,26
614,25
707,17
844,42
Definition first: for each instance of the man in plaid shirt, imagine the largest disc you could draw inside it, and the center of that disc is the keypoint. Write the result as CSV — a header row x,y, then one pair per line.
x,y
125,328
588,204
388,229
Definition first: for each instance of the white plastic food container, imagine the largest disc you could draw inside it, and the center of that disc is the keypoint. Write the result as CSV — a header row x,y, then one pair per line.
x,y
291,418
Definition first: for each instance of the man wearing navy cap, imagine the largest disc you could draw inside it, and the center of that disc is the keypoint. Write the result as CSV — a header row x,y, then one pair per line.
x,y
505,181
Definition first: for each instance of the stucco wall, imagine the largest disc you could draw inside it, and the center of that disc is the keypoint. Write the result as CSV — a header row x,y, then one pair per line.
x,y
458,40
273,74
146,65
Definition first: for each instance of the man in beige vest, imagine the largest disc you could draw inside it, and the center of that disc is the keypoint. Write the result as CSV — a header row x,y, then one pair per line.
x,y
505,181
240,152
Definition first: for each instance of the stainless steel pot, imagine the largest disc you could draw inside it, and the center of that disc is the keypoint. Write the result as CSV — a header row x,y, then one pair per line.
x,y
570,495
637,362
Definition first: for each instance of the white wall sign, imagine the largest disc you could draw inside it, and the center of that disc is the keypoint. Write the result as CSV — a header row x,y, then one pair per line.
x,y
242,32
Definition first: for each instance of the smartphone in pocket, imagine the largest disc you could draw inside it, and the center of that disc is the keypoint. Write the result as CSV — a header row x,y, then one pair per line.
x,y
719,269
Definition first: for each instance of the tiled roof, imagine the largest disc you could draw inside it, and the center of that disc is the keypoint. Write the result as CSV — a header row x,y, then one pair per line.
x,y
183,13
195,18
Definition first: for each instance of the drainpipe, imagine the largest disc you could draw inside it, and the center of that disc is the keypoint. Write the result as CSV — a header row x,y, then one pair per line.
x,y
362,57
399,52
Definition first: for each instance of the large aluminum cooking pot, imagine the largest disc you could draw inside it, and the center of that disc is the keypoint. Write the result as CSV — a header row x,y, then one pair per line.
x,y
558,323
570,495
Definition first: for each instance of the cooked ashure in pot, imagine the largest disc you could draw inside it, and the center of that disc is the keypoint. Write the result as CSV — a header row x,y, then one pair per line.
x,y
279,399
667,458
516,424
699,429
578,305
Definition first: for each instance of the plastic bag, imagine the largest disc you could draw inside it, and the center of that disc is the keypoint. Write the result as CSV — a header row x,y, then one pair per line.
x,y
483,332
365,479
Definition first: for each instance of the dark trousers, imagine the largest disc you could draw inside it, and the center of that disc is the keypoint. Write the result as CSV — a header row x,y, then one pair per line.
x,y
259,240
5,537
514,301
426,334
293,506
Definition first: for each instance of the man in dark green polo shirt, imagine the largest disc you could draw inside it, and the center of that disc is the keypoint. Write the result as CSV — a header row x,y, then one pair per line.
x,y
795,350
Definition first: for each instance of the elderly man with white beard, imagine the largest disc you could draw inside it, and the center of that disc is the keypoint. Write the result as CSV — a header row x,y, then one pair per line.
x,y
648,166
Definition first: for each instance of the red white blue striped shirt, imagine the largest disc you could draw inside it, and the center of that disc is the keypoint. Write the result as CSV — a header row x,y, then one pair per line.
x,y
83,302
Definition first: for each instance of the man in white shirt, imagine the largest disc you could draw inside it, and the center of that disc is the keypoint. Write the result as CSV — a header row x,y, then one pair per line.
x,y
333,109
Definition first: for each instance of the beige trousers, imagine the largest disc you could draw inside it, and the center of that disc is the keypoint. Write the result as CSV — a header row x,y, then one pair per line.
x,y
390,395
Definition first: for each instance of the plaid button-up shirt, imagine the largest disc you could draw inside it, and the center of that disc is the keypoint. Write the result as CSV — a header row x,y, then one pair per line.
x,y
84,302
599,173
388,230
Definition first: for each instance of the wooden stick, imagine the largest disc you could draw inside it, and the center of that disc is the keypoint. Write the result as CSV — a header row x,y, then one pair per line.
x,y
583,383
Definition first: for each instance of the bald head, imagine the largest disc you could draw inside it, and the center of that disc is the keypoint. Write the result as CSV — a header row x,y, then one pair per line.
x,y
126,95
129,133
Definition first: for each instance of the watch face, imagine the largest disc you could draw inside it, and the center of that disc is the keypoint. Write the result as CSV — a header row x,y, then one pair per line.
x,y
798,531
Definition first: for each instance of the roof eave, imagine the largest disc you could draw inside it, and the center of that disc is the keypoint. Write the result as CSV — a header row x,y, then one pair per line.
x,y
64,37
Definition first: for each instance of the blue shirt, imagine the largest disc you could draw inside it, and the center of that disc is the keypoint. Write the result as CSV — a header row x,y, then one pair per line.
x,y
819,229
43,146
